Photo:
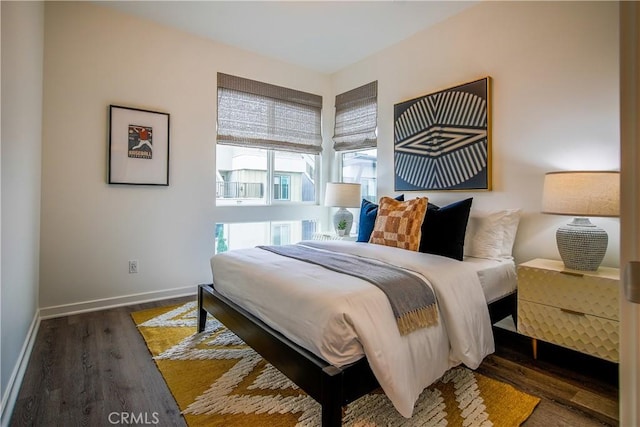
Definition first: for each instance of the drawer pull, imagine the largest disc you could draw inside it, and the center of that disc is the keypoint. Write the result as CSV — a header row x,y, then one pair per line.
x,y
577,313
571,273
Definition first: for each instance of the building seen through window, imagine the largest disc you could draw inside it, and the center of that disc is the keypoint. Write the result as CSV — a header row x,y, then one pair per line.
x,y
242,175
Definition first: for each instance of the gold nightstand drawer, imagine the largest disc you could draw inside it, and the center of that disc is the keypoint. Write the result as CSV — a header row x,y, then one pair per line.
x,y
590,293
589,334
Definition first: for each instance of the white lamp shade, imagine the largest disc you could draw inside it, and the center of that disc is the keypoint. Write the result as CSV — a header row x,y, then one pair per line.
x,y
581,244
342,195
582,193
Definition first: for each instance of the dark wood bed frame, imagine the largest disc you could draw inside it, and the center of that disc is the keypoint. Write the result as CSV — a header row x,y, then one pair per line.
x,y
332,387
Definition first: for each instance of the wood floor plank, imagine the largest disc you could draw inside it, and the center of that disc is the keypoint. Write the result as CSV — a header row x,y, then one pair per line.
x,y
552,414
606,408
86,367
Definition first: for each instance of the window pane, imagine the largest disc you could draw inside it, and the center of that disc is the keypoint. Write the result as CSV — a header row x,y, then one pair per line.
x,y
277,187
309,228
247,235
281,187
360,167
285,187
281,234
296,173
241,175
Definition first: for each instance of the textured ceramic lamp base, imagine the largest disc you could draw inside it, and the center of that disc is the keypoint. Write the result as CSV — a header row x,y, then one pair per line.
x,y
345,215
581,244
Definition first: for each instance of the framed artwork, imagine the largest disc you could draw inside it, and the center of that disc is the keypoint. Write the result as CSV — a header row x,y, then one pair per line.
x,y
442,141
138,146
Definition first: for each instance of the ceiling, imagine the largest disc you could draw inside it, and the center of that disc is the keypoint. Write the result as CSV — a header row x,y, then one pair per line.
x,y
325,36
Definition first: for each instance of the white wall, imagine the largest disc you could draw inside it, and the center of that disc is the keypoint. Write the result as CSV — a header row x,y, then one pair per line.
x,y
554,67
94,57
22,55
555,106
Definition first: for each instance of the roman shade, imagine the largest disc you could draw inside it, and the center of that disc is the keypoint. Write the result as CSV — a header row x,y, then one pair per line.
x,y
260,115
356,118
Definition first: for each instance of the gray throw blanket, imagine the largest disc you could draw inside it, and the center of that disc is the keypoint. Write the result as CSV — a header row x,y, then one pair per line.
x,y
412,300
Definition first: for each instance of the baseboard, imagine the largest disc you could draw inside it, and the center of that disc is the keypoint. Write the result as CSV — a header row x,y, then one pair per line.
x,y
15,381
102,304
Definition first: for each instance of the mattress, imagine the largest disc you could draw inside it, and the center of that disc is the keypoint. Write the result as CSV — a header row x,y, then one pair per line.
x,y
498,277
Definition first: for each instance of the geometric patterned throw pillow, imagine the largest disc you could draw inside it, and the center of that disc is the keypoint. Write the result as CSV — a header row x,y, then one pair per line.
x,y
398,223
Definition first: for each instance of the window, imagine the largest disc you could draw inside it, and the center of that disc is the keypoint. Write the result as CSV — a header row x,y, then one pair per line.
x,y
281,185
298,176
268,143
355,137
360,167
281,234
242,176
249,234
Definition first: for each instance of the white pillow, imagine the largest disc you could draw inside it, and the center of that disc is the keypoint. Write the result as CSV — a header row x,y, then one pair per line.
x,y
511,222
491,234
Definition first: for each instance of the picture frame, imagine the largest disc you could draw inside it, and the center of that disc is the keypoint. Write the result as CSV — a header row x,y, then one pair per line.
x,y
442,141
138,146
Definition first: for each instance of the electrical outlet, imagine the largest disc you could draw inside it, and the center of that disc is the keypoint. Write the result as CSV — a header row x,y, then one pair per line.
x,y
133,266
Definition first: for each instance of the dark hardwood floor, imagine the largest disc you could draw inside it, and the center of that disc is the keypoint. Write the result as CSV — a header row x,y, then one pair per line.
x,y
94,369
575,389
86,368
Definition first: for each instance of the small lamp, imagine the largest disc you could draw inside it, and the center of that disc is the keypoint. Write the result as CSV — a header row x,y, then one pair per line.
x,y
581,244
342,195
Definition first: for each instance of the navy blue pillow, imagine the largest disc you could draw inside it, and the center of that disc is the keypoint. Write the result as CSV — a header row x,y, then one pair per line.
x,y
368,214
443,229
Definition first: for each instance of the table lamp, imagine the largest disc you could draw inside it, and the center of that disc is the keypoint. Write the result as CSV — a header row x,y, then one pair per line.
x,y
582,194
342,195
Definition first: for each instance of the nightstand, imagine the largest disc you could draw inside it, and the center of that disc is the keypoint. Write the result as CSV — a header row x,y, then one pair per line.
x,y
570,308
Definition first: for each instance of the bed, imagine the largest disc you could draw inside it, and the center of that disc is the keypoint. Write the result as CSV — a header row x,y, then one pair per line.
x,y
337,370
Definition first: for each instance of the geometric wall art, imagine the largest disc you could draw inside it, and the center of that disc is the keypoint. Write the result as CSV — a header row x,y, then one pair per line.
x,y
442,141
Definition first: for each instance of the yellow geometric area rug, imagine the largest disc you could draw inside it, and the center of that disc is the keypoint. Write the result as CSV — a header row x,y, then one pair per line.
x,y
217,380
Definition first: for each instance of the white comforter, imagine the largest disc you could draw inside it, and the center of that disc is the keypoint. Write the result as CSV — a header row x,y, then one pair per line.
x,y
340,317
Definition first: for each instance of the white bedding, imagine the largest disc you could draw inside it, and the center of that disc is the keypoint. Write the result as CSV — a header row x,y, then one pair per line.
x,y
498,277
341,318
